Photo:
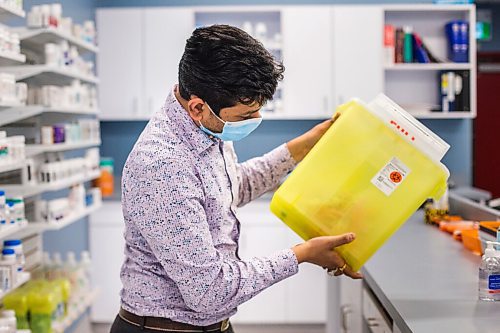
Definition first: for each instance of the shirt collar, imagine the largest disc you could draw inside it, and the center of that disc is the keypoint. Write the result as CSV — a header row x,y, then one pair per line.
x,y
184,126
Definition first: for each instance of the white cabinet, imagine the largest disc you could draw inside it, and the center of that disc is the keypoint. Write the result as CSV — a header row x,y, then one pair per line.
x,y
307,55
357,52
106,246
165,33
298,299
270,305
119,64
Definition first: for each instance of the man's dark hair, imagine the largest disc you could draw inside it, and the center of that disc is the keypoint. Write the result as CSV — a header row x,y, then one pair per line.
x,y
224,65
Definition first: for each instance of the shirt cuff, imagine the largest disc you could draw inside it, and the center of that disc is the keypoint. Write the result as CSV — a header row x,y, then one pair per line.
x,y
283,155
284,264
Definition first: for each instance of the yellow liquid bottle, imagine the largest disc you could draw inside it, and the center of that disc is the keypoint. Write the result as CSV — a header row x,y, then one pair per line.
x,y
368,174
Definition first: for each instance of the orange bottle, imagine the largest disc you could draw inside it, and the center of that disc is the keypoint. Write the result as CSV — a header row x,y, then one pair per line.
x,y
106,181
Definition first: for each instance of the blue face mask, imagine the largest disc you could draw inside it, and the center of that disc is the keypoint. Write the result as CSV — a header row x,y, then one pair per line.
x,y
233,130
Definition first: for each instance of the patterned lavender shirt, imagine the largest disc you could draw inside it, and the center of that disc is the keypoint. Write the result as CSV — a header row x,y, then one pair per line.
x,y
180,190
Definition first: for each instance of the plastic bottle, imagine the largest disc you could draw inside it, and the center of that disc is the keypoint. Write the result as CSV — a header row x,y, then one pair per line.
x,y
106,180
17,246
8,268
85,267
9,317
46,265
3,212
489,274
71,269
57,267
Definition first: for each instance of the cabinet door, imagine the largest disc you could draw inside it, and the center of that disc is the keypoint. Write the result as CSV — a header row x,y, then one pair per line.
x,y
358,50
165,33
260,237
306,296
106,246
119,63
350,305
307,56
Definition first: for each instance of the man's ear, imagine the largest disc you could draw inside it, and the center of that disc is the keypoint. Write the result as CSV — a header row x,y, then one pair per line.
x,y
195,108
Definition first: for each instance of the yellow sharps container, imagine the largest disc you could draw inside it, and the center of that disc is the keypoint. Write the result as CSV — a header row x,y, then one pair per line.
x,y
368,174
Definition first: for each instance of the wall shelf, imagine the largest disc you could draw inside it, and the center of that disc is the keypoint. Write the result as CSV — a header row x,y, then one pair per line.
x,y
37,149
35,39
75,313
12,166
431,67
34,227
443,115
48,75
32,190
9,59
9,12
22,278
427,8
14,114
11,229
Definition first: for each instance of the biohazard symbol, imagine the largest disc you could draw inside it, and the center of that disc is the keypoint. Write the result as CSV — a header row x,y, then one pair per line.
x,y
396,177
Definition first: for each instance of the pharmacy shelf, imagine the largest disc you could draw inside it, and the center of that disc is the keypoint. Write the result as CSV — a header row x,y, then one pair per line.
x,y
12,166
32,190
22,278
35,227
14,114
444,115
430,67
35,39
32,150
9,59
75,313
11,229
10,104
426,7
48,75
9,12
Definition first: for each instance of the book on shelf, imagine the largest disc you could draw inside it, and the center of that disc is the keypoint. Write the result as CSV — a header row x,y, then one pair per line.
x,y
454,91
407,46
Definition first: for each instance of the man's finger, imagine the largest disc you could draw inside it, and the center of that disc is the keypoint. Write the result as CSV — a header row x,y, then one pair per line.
x,y
341,239
353,275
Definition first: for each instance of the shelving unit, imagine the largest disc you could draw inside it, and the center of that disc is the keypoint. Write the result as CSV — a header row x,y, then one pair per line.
x,y
51,226
74,314
32,190
12,166
15,114
429,67
12,229
35,39
48,75
8,12
416,83
7,59
21,279
37,149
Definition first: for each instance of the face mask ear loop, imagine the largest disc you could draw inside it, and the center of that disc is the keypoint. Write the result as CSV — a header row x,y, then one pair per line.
x,y
214,113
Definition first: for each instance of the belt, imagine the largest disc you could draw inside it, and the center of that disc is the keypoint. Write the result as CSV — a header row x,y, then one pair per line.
x,y
165,324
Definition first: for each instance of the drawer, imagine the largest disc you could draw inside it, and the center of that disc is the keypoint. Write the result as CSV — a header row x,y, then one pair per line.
x,y
374,315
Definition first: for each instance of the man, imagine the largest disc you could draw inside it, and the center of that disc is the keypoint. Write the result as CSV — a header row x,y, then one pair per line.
x,y
182,184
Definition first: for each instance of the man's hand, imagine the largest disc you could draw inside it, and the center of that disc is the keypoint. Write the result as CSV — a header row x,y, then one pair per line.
x,y
300,146
320,251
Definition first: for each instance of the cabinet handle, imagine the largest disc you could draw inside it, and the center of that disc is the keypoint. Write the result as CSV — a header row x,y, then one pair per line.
x,y
372,322
150,105
345,310
135,106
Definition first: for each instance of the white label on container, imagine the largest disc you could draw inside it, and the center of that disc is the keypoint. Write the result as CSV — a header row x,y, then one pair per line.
x,y
391,176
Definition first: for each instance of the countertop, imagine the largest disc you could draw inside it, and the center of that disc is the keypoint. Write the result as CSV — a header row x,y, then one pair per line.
x,y
428,282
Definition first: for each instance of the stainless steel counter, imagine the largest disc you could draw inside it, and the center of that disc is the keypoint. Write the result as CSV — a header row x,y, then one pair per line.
x,y
428,282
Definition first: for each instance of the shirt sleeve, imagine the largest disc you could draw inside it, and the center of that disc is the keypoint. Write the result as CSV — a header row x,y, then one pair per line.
x,y
261,174
173,221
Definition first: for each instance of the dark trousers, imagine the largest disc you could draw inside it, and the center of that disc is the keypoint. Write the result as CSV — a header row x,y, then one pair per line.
x,y
121,326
